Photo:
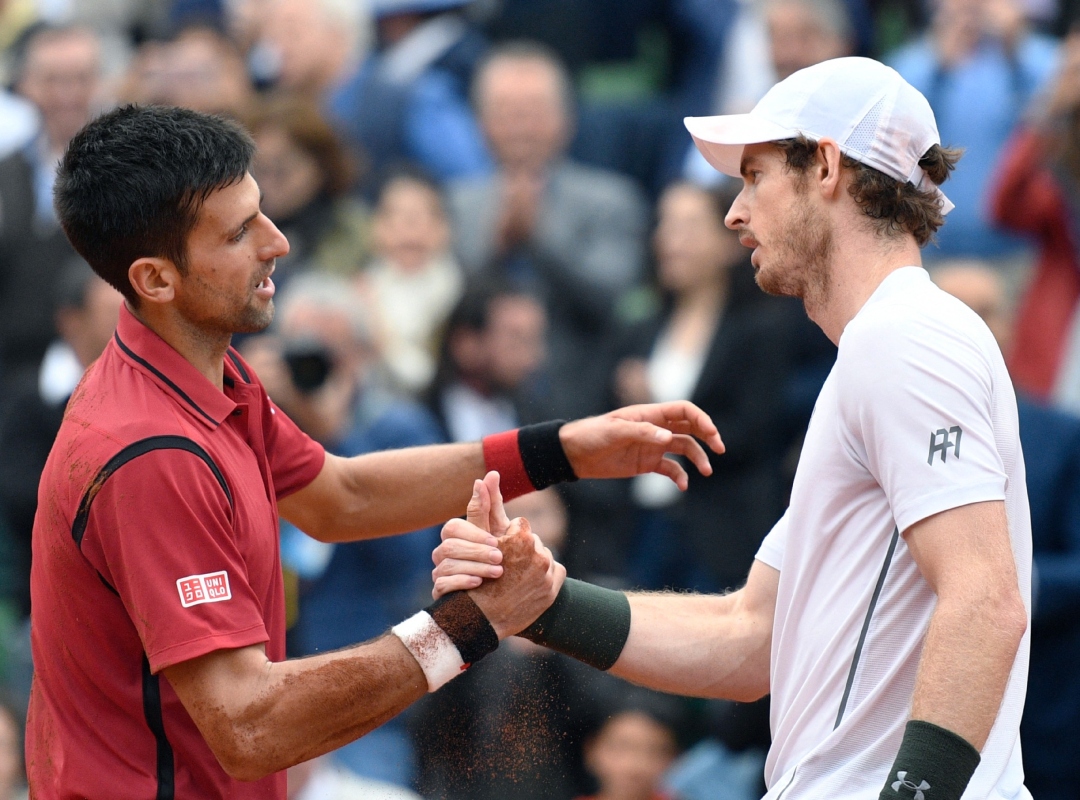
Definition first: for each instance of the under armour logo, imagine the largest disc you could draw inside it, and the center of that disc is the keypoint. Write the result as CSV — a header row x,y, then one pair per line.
x,y
943,444
910,785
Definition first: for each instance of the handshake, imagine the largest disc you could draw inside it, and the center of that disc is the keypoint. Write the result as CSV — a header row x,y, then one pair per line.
x,y
495,578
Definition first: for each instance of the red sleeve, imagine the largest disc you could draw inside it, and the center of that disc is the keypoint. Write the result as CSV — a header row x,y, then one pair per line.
x,y
295,458
157,525
502,454
1025,196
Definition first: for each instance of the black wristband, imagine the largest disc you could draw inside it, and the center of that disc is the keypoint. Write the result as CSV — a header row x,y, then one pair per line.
x,y
930,757
586,622
465,624
542,454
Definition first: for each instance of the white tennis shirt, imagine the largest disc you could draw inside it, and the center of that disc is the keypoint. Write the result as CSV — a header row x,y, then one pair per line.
x,y
917,416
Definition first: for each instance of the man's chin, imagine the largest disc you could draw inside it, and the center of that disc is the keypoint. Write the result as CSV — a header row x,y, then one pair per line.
x,y
256,320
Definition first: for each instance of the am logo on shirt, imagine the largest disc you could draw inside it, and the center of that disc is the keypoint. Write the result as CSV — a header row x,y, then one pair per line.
x,y
941,440
210,587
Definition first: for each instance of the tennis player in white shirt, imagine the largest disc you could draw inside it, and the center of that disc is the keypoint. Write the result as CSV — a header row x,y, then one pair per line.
x,y
887,612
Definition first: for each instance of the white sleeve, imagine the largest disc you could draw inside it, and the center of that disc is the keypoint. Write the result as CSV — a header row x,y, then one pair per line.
x,y
916,406
771,551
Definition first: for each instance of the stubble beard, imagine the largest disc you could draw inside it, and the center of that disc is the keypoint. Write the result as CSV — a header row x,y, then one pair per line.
x,y
800,263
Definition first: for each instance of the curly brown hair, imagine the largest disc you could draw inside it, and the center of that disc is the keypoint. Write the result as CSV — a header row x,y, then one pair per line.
x,y
896,207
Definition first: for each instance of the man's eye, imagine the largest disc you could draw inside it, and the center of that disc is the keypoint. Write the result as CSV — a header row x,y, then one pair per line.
x,y
241,234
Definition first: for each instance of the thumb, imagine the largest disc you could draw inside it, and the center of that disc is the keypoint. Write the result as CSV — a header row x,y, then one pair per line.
x,y
479,506
647,433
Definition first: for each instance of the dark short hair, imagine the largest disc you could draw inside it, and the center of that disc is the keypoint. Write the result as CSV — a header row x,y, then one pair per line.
x,y
132,182
895,207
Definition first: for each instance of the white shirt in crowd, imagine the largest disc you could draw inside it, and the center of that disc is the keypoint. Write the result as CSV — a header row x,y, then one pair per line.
x,y
918,416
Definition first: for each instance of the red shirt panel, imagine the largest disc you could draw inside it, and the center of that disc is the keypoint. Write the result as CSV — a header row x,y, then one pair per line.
x,y
156,541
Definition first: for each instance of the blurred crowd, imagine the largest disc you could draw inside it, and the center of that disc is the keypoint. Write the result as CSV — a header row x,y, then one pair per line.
x,y
497,218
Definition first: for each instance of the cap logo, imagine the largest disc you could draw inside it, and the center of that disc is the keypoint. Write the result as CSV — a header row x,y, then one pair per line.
x,y
211,587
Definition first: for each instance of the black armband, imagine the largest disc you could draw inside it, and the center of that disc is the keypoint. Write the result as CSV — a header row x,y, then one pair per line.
x,y
465,624
542,454
930,758
586,622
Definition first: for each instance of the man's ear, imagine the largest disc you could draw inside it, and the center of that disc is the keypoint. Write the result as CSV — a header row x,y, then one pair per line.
x,y
154,279
828,167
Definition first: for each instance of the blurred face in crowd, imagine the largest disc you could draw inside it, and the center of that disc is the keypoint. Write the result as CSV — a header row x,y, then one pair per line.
x,y
799,37
312,43
629,756
523,112
88,329
515,339
981,290
693,248
410,227
61,77
205,73
778,218
287,173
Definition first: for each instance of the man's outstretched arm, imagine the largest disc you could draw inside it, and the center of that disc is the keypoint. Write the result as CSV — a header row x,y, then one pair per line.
x,y
380,494
260,716
714,646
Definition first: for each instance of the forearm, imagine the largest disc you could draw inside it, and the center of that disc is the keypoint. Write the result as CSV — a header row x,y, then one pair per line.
x,y
700,645
967,658
281,713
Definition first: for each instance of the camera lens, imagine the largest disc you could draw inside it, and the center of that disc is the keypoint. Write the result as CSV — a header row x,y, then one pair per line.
x,y
309,364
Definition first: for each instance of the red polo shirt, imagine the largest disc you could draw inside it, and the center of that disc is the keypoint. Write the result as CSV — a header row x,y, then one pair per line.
x,y
156,541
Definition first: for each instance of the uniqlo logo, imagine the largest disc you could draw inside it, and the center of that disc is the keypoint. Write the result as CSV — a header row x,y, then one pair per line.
x,y
213,587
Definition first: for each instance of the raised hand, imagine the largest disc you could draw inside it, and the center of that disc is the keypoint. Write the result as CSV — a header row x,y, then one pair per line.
x,y
633,440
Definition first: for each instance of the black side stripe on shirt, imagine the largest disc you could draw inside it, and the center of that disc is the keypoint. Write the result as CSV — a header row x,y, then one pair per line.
x,y
132,451
235,359
866,626
180,392
166,768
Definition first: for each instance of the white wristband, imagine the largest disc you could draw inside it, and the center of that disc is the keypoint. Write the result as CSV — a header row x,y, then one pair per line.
x,y
433,650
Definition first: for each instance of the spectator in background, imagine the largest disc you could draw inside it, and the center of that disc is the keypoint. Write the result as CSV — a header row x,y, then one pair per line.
x,y
310,46
87,309
199,68
408,100
979,66
320,371
572,234
770,41
18,119
413,282
724,345
1051,444
492,348
630,752
58,71
1037,192
305,175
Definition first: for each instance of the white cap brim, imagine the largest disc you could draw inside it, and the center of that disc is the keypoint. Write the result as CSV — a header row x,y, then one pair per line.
x,y
722,139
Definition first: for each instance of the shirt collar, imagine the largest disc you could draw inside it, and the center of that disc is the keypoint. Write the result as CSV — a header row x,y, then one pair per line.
x,y
148,352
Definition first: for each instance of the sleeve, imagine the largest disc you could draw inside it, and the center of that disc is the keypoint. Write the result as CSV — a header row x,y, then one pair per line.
x,y
161,533
771,551
442,132
295,458
1024,195
916,407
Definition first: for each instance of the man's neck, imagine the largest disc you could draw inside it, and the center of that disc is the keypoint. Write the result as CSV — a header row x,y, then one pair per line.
x,y
203,350
860,261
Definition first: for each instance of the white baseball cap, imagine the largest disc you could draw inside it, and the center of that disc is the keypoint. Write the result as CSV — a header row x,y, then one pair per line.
x,y
876,117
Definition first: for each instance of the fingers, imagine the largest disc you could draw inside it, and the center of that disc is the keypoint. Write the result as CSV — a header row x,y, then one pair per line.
x,y
479,508
453,583
680,416
670,468
498,522
461,529
684,445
